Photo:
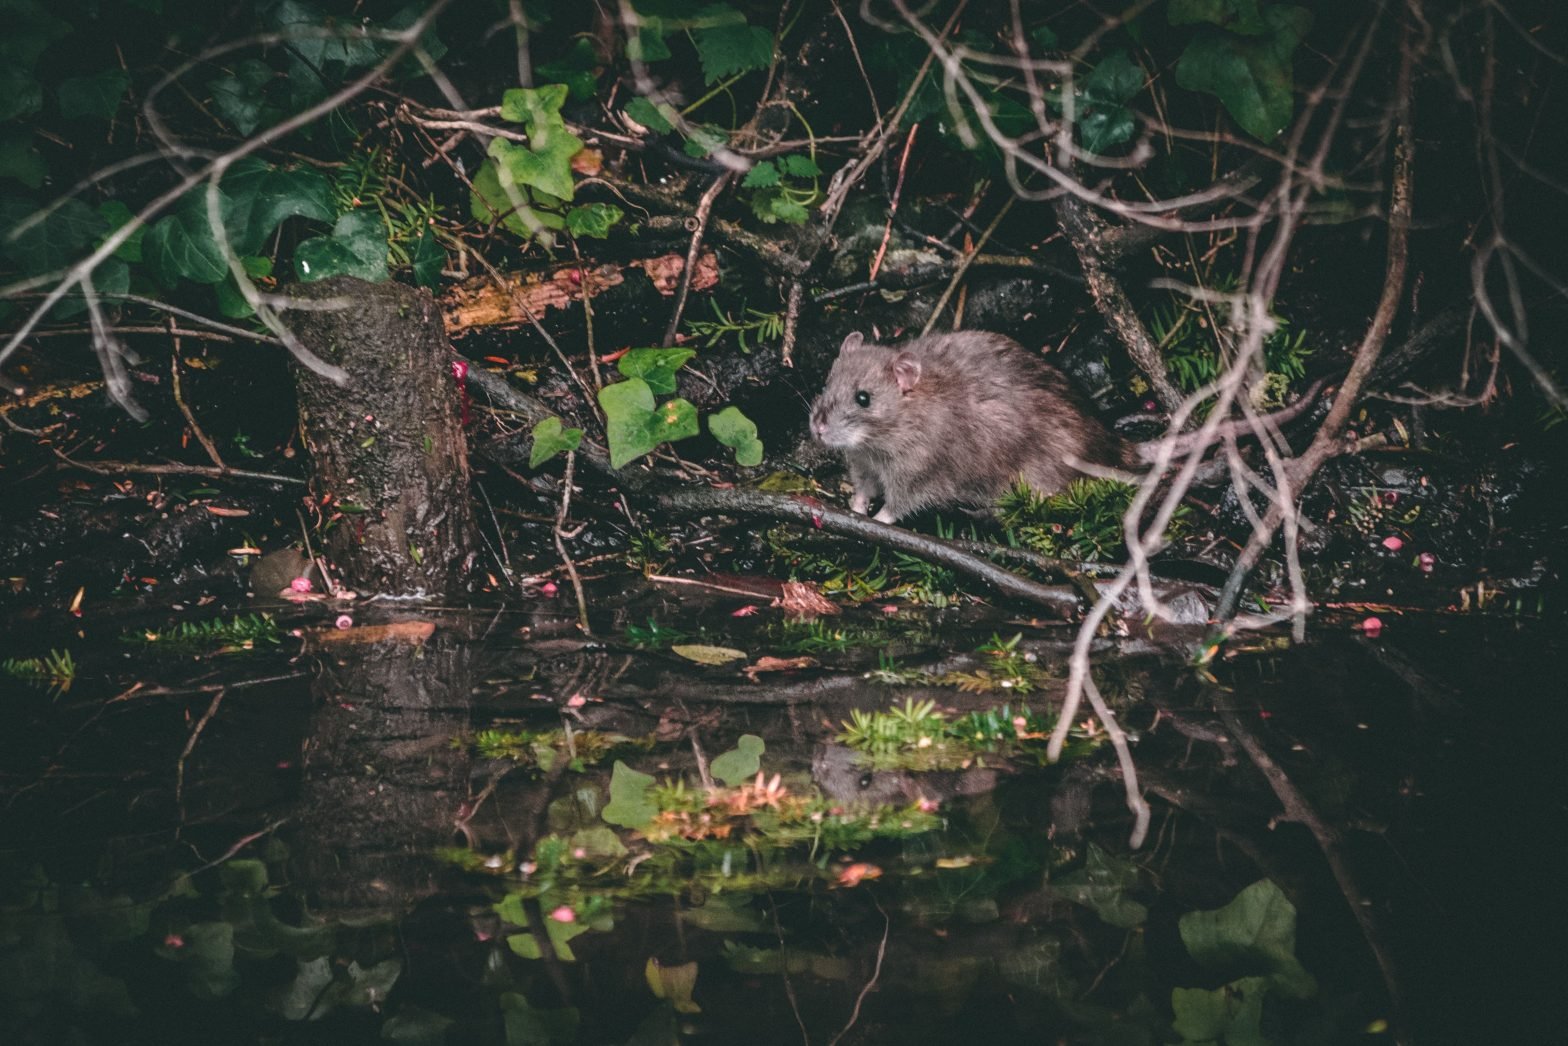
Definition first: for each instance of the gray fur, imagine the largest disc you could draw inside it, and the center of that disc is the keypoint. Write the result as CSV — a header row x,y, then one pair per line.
x,y
954,419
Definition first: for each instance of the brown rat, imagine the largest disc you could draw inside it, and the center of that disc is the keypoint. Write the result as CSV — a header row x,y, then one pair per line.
x,y
955,419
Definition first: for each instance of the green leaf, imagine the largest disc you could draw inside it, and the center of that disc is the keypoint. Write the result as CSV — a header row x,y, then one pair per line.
x,y
629,805
264,196
550,439
772,205
648,45
764,174
733,429
497,196
52,242
577,69
706,654
115,214
428,260
1239,16
655,366
704,139
549,170
240,97
93,97
1256,934
728,49
231,302
1116,79
527,945
740,763
1251,76
593,219
357,247
1104,120
660,119
111,279
19,160
1232,1014
635,427
798,166
1105,126
329,47
1044,38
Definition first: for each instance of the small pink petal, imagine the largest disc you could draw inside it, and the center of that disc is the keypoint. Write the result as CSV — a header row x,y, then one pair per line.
x,y
745,611
564,914
301,584
1372,627
576,701
1393,544
459,369
1427,561
173,940
928,806
889,608
344,621
548,588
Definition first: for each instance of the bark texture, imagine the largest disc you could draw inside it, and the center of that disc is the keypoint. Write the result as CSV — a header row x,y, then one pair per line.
x,y
387,446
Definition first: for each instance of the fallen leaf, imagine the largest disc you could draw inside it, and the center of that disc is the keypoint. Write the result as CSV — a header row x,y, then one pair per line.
x,y
777,664
398,631
228,513
708,655
803,600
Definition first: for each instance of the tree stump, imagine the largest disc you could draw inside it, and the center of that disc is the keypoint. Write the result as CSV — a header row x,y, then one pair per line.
x,y
390,459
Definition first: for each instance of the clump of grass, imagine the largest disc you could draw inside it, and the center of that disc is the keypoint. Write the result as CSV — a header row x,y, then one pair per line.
x,y
55,671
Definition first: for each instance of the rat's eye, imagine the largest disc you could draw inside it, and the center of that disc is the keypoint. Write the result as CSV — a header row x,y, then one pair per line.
x,y
863,398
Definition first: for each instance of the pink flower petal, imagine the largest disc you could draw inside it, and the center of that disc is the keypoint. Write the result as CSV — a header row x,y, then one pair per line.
x,y
1426,561
1372,627
1393,544
301,584
344,621
548,588
564,914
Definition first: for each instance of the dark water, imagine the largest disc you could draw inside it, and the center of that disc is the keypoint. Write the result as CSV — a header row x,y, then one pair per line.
x,y
289,844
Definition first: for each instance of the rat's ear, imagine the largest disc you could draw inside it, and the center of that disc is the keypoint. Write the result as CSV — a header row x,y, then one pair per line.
x,y
851,342
906,371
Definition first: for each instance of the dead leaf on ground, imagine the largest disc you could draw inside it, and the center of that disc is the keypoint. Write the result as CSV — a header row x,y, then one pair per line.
x,y
777,664
708,655
398,631
803,600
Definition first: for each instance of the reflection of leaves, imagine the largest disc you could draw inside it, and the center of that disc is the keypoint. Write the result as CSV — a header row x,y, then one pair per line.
x,y
357,247
1102,884
740,763
1232,1014
657,367
550,439
629,806
733,429
635,426
1254,933
675,983
1251,75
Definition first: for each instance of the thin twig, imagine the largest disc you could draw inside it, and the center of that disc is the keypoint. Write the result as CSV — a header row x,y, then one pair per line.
x,y
179,400
560,544
876,974
704,209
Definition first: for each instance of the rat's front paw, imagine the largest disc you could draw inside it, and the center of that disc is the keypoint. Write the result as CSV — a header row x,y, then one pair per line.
x,y
860,503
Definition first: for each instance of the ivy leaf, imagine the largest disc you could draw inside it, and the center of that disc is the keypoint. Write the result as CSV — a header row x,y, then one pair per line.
x,y
428,260
1232,1013
798,166
1239,16
733,429
327,45
111,280
1254,933
29,30
727,49
1250,75
764,174
550,439
593,219
635,426
116,214
660,118
357,247
181,245
95,96
629,805
265,196
52,242
497,196
548,169
657,367
704,140
1105,126
740,763
1117,78
240,96
577,69
19,160
231,302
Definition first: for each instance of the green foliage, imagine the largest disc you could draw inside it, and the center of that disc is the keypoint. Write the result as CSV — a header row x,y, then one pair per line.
x,y
182,245
20,160
657,367
1083,522
658,118
95,96
636,426
240,96
1104,120
1247,64
577,68
593,220
726,45
1254,934
40,242
733,429
630,805
550,439
1193,360
1103,884
30,29
898,730
740,763
55,671
242,632
357,247
763,326
654,636
525,188
782,191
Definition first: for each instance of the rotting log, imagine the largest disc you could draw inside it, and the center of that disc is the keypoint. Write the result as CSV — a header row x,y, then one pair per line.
x,y
389,455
